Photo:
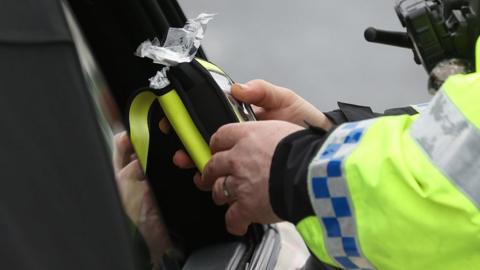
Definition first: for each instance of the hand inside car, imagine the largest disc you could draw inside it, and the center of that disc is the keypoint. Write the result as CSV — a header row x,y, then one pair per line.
x,y
137,198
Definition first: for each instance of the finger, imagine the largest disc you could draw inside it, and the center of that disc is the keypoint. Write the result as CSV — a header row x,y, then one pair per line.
x,y
182,160
236,221
261,113
148,208
261,93
123,151
131,172
218,166
164,126
257,110
197,179
227,136
218,191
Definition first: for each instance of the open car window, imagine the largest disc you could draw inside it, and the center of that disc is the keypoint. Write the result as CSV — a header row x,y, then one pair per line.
x,y
162,252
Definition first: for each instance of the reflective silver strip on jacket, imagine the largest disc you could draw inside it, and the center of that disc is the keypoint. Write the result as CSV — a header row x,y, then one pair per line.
x,y
420,107
330,197
452,143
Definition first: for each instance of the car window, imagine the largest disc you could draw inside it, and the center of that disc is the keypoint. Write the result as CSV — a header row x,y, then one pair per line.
x,y
134,190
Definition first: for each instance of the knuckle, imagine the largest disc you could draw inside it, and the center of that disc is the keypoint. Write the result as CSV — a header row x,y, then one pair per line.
x,y
121,175
211,165
118,136
221,130
259,81
218,198
217,187
198,181
201,185
256,81
234,165
230,216
214,140
205,176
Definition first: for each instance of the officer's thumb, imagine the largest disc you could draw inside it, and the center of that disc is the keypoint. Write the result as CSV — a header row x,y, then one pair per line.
x,y
260,93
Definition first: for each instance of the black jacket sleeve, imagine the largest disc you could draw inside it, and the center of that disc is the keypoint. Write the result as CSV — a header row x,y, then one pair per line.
x,y
350,112
288,173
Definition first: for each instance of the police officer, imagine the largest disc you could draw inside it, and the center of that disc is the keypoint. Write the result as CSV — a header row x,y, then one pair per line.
x,y
398,191
392,192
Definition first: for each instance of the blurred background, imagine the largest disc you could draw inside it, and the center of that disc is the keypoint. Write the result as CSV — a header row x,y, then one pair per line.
x,y
315,48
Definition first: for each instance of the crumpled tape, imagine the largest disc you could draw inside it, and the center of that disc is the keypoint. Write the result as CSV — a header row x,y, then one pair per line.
x,y
160,80
181,44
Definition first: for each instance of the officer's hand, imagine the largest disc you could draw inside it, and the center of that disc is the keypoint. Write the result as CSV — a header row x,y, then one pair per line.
x,y
137,198
243,152
271,102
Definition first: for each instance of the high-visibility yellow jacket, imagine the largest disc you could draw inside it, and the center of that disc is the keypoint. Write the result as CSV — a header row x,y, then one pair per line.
x,y
392,192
